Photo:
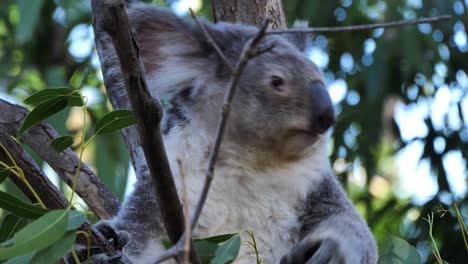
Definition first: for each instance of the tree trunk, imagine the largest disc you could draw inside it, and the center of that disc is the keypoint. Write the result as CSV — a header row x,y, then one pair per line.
x,y
250,12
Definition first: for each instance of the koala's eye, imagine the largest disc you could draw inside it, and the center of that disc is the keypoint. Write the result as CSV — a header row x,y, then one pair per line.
x,y
276,82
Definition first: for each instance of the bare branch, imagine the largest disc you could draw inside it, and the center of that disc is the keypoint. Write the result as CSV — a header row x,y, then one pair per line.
x,y
363,27
89,187
249,51
211,41
111,17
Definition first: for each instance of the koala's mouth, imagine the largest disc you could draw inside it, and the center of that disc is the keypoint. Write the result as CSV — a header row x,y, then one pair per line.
x,y
299,140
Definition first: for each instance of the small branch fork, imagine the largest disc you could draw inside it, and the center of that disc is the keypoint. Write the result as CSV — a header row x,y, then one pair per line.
x,y
363,27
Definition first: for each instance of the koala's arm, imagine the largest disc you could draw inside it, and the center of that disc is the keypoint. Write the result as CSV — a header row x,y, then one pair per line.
x,y
139,216
332,231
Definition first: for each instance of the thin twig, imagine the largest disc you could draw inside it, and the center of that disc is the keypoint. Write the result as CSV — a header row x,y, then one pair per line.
x,y
172,252
187,237
211,41
248,52
363,27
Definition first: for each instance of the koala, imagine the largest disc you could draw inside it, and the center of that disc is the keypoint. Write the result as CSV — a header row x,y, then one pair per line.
x,y
272,175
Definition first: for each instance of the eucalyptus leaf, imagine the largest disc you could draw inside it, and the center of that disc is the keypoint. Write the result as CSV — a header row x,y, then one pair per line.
x,y
43,111
227,251
62,143
23,259
4,174
20,208
10,225
114,121
206,250
38,235
398,251
217,239
56,251
75,219
51,93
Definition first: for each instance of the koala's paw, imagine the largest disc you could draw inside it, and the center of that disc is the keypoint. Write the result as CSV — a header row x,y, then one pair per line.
x,y
117,239
315,252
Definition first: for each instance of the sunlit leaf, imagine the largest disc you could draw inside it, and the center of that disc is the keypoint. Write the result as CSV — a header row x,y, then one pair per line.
x,y
398,251
207,247
56,251
114,121
43,111
62,143
39,234
20,208
47,94
10,225
75,219
227,251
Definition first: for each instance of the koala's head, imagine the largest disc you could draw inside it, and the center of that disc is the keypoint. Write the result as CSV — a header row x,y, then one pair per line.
x,y
281,108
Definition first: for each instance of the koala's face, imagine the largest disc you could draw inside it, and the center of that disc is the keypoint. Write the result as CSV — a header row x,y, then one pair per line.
x,y
281,105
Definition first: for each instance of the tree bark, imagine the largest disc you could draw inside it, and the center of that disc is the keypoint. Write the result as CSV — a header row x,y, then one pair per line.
x,y
250,12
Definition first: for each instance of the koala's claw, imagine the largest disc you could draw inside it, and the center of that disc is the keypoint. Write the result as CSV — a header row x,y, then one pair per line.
x,y
119,240
314,252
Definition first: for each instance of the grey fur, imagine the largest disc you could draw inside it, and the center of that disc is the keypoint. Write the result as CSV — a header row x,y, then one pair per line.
x,y
257,136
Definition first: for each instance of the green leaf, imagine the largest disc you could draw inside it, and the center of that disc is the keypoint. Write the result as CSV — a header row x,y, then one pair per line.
x,y
398,251
227,251
217,239
10,225
23,259
207,247
29,17
56,251
75,219
62,143
20,208
4,174
114,121
54,93
43,111
38,235
206,250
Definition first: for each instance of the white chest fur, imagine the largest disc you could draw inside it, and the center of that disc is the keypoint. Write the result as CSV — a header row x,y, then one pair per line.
x,y
242,198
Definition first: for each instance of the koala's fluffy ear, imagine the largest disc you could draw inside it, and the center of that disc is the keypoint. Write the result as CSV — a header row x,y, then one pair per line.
x,y
173,50
300,40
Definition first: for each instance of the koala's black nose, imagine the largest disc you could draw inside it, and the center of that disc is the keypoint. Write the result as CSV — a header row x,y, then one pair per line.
x,y
323,115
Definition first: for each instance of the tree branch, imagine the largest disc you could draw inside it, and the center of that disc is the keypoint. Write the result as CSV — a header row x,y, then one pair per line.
x,y
89,187
110,16
364,27
250,12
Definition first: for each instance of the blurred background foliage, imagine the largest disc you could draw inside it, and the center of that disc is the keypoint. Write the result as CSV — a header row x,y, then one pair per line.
x,y
400,145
